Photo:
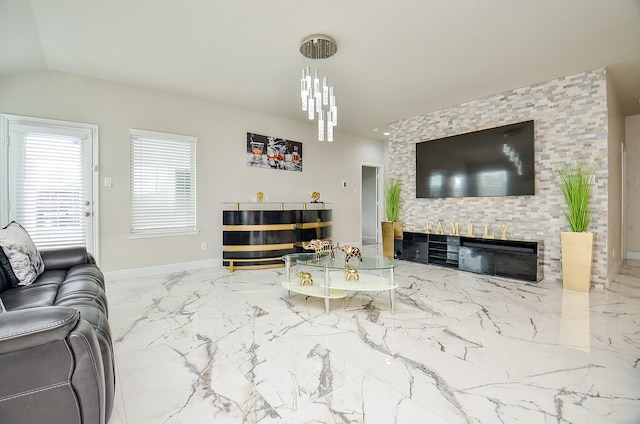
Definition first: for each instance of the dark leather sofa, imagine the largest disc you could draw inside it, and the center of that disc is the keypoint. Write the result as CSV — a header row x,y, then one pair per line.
x,y
56,352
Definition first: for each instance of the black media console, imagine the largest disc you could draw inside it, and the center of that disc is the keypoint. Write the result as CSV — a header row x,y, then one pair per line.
x,y
503,258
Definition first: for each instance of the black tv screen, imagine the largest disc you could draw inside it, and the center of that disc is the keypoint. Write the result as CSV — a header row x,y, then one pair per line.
x,y
493,162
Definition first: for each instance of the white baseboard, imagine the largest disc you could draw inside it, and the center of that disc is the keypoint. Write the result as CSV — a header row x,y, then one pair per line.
x,y
633,255
162,269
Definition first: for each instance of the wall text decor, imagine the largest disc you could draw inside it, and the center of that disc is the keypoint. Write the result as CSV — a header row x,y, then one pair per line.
x,y
453,229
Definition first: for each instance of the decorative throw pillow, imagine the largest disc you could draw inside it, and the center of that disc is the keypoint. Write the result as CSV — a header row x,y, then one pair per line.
x,y
20,258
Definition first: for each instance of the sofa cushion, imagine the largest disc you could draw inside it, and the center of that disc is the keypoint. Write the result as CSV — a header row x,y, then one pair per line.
x,y
20,258
2,308
80,285
65,257
77,292
27,297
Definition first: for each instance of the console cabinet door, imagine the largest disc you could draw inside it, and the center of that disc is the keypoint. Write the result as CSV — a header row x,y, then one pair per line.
x,y
518,265
415,251
480,261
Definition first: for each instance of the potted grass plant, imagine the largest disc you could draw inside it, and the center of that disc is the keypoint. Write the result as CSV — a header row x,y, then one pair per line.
x,y
392,228
575,181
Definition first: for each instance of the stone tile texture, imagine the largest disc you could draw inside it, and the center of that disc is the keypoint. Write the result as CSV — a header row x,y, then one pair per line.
x,y
570,115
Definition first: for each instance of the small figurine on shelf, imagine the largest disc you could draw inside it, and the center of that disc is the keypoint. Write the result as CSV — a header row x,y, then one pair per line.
x,y
315,197
350,252
350,273
305,278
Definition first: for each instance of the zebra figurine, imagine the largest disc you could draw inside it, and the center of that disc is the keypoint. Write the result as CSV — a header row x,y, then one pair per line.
x,y
320,247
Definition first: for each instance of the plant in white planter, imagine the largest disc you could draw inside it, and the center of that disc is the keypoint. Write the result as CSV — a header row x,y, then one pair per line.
x,y
392,228
575,181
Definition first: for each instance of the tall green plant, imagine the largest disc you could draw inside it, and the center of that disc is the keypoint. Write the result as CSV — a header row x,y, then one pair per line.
x,y
575,181
392,199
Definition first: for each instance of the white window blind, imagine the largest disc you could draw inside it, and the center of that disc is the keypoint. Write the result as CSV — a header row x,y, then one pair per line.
x,y
49,197
163,183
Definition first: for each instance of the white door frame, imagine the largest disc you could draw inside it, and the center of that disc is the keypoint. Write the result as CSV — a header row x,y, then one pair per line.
x,y
379,196
4,170
623,226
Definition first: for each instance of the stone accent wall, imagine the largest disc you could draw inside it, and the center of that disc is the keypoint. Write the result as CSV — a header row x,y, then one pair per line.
x,y
570,122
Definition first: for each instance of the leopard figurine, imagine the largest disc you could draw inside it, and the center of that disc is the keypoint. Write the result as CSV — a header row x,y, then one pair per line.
x,y
351,252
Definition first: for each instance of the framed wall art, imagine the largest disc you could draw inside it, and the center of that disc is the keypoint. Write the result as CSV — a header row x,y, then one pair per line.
x,y
273,153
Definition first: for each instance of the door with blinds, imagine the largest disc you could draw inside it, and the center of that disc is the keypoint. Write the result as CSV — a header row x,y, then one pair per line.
x,y
51,180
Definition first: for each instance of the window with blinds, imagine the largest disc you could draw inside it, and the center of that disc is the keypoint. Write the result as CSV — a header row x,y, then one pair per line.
x,y
163,184
48,189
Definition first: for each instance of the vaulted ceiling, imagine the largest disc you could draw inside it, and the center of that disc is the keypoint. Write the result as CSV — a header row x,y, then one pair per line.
x,y
395,59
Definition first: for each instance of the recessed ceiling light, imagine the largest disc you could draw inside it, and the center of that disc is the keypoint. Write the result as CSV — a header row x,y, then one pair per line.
x,y
375,130
386,133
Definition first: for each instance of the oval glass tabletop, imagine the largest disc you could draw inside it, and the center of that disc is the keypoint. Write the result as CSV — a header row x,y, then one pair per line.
x,y
325,261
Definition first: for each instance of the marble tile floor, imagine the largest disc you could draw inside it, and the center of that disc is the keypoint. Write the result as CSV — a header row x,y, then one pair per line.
x,y
208,346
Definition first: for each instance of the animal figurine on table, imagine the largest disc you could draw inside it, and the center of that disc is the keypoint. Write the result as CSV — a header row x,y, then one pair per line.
x,y
351,252
305,278
320,246
351,273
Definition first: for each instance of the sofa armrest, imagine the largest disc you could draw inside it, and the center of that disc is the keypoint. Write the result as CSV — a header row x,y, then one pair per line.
x,y
26,328
64,258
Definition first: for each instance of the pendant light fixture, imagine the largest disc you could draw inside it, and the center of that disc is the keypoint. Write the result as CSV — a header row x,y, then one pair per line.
x,y
316,92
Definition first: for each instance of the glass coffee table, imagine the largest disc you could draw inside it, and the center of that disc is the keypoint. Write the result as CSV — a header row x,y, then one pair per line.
x,y
340,278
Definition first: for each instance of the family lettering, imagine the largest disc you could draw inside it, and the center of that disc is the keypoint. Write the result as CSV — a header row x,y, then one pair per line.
x,y
453,229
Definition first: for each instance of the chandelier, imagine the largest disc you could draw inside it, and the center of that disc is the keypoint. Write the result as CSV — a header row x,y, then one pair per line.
x,y
318,99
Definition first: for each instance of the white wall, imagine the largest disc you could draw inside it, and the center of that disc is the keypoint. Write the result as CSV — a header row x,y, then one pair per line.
x,y
222,174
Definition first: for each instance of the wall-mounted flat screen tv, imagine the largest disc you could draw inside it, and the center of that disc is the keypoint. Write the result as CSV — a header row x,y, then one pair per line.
x,y
492,162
